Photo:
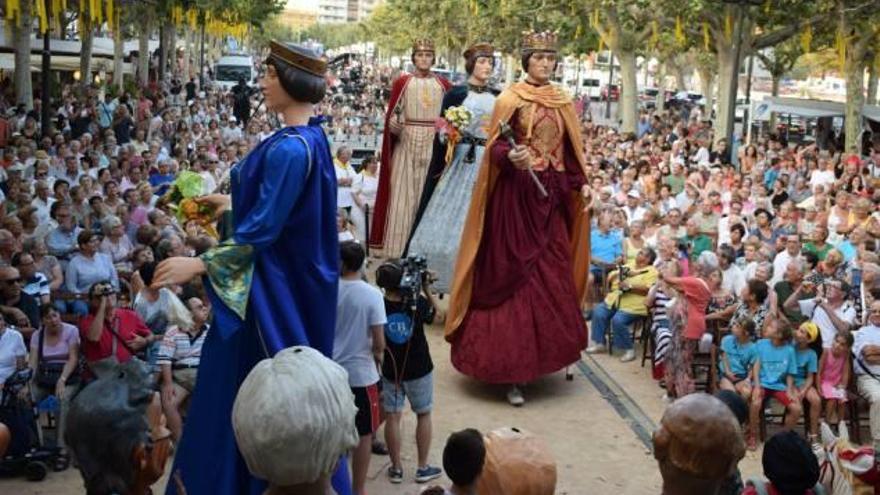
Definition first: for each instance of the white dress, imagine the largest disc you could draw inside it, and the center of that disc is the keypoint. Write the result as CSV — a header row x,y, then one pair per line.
x,y
438,234
364,186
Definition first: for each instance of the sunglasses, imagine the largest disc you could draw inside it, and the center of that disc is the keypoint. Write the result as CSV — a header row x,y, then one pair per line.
x,y
11,281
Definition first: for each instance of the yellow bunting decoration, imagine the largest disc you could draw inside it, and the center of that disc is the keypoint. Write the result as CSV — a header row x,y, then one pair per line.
x,y
43,16
601,44
840,45
13,10
679,31
595,19
655,34
707,40
807,38
578,32
767,6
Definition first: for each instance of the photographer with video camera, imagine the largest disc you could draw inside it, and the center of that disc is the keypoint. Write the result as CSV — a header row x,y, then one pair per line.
x,y
624,304
407,371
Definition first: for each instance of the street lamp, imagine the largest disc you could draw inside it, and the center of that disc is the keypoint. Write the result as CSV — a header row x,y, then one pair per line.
x,y
730,118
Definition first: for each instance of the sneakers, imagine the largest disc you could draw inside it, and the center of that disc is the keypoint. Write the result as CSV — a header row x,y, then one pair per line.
x,y
595,349
628,356
427,473
515,397
395,475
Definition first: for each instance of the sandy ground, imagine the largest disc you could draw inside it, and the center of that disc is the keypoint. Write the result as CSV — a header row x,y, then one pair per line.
x,y
596,450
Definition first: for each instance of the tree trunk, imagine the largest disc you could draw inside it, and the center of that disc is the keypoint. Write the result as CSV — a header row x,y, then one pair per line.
x,y
163,51
172,56
659,83
187,53
872,84
707,82
510,73
680,80
725,72
774,91
628,91
143,66
118,55
24,92
855,99
87,37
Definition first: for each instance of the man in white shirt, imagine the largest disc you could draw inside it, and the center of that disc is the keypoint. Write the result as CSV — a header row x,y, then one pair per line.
x,y
732,277
42,201
866,364
13,353
359,347
832,313
780,262
345,176
230,131
633,208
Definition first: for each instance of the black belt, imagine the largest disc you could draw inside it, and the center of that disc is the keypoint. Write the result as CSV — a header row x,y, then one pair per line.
x,y
473,141
184,366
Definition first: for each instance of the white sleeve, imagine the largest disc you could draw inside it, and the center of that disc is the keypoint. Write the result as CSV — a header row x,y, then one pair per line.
x,y
18,347
807,306
377,309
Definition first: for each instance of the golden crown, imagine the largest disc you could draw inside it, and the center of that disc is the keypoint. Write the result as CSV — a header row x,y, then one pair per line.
x,y
544,41
423,45
481,49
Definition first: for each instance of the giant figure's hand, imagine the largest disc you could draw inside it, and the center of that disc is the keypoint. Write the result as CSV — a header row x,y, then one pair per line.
x,y
177,271
520,157
218,202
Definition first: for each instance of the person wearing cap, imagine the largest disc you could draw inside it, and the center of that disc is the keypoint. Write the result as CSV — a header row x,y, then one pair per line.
x,y
532,187
273,283
790,466
454,168
633,207
415,103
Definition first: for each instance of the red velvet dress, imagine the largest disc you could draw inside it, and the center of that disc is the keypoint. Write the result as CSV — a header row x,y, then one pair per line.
x,y
524,318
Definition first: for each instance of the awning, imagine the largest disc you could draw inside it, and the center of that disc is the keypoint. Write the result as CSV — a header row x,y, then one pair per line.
x,y
811,109
65,63
871,112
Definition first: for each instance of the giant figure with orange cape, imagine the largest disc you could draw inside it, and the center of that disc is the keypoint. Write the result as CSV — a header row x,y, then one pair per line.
x,y
407,146
522,267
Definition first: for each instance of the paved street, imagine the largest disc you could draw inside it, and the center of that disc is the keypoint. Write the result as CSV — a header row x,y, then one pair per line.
x,y
597,450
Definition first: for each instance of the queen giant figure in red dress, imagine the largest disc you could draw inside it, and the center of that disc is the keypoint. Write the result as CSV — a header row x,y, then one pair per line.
x,y
515,310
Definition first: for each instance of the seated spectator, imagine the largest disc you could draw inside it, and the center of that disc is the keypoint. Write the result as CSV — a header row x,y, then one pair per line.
x,y
178,360
866,364
732,277
294,416
18,308
835,371
753,305
697,242
736,358
829,309
773,375
624,304
463,459
34,283
45,263
62,241
793,278
790,466
116,244
818,244
87,268
54,357
606,246
117,434
111,332
13,353
805,377
698,445
783,258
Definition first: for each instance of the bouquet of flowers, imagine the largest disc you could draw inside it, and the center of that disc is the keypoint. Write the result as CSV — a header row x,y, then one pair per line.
x,y
180,199
451,126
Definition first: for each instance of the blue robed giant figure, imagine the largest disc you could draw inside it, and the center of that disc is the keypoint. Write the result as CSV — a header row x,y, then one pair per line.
x,y
273,285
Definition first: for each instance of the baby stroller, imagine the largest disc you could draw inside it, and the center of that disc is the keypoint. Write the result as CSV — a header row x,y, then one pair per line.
x,y
27,455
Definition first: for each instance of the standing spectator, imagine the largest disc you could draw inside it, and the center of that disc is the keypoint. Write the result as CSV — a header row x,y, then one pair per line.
x,y
359,346
179,357
345,176
87,268
409,372
55,356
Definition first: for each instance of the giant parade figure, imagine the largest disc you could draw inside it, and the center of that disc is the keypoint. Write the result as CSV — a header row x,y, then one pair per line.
x,y
273,283
407,144
521,272
458,153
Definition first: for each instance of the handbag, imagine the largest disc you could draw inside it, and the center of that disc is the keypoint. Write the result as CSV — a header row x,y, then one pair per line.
x,y
48,373
108,366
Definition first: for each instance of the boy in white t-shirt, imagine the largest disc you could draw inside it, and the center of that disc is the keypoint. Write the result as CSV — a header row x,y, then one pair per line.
x,y
358,347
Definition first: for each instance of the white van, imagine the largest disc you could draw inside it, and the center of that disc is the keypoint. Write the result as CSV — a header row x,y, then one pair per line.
x,y
230,68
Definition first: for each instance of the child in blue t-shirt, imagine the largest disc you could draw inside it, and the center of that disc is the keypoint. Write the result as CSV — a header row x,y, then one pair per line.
x,y
737,356
773,377
805,378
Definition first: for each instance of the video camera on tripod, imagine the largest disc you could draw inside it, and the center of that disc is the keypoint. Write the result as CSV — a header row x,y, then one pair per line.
x,y
415,272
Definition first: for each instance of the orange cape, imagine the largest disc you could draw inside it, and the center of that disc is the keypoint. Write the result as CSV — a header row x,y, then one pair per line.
x,y
512,99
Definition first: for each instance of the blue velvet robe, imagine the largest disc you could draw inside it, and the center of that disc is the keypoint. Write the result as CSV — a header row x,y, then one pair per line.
x,y
273,286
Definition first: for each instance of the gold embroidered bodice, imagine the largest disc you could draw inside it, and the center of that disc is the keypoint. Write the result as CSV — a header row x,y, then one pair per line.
x,y
544,137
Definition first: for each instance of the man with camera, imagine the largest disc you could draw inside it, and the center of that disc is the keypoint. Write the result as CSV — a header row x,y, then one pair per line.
x,y
407,371
108,331
624,304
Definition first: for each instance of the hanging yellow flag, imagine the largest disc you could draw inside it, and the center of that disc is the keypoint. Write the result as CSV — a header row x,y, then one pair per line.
x,y
578,32
655,34
840,43
767,6
43,16
707,40
13,9
601,44
679,31
807,38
